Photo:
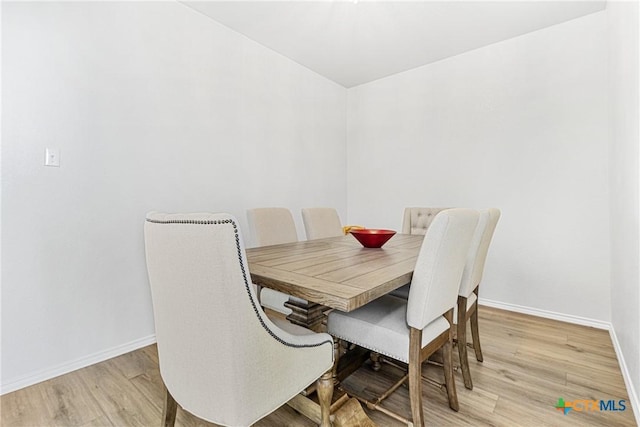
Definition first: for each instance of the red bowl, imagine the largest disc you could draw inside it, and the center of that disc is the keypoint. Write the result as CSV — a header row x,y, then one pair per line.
x,y
372,237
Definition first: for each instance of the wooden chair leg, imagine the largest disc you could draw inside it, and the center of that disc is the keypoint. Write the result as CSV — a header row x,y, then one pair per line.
x,y
337,353
325,393
448,375
169,411
415,376
475,334
462,342
375,361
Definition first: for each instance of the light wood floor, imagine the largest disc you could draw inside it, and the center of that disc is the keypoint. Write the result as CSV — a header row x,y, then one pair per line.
x,y
529,363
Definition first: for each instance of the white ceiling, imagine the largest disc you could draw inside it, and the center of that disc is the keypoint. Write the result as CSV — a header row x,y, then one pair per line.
x,y
356,42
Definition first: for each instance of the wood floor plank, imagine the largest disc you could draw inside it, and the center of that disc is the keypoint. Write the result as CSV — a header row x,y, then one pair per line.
x,y
24,407
568,361
103,421
609,384
151,387
119,399
135,363
512,368
69,402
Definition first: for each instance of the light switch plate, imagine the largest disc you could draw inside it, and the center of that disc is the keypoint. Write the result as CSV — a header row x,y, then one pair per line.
x,y
52,157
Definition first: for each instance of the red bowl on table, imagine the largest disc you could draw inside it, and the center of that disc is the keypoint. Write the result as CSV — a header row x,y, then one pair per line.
x,y
372,237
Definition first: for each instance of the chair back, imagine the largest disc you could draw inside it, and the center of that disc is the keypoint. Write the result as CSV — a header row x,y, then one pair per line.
x,y
272,226
436,277
320,223
418,220
478,250
220,357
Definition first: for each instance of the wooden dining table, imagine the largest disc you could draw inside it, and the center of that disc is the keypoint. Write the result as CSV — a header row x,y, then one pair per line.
x,y
336,272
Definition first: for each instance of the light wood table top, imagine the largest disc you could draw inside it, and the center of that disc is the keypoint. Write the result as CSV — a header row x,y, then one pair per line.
x,y
336,272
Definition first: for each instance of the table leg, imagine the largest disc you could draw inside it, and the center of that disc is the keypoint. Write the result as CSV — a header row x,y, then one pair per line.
x,y
306,314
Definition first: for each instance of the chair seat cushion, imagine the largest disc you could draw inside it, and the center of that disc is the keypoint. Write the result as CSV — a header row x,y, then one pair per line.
x,y
274,300
382,326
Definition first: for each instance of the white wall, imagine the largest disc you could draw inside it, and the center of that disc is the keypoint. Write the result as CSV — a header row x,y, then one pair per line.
x,y
624,73
154,107
520,125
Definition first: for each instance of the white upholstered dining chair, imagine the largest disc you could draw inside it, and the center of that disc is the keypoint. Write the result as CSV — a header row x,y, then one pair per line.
x,y
221,358
418,220
320,223
273,226
467,308
411,330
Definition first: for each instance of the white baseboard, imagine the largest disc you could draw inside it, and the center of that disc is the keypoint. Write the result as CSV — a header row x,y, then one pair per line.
x,y
584,321
633,394
599,324
83,362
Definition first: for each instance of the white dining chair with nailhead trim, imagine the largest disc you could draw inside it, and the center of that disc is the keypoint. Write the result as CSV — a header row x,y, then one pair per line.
x,y
221,358
411,330
467,308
